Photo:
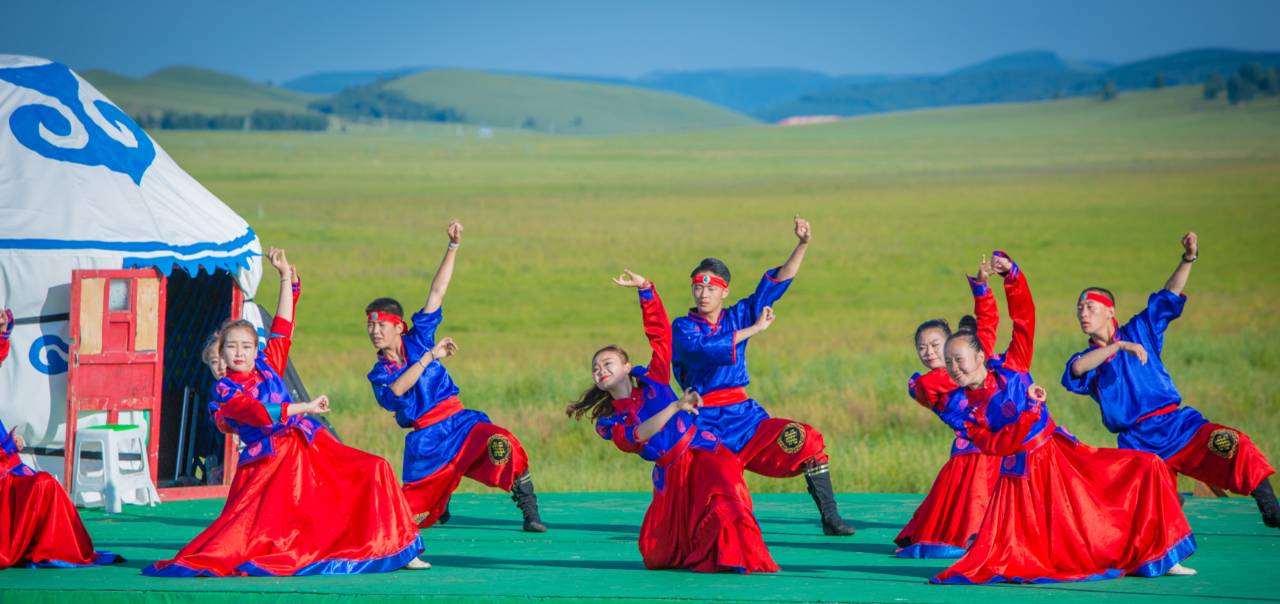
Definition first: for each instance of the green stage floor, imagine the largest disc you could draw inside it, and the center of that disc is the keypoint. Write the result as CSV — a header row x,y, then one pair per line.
x,y
590,554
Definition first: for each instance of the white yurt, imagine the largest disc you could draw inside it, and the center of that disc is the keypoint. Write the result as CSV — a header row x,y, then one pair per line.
x,y
82,187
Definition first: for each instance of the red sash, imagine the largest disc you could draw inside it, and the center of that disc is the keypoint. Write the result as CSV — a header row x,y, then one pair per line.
x,y
1161,411
678,448
442,410
726,396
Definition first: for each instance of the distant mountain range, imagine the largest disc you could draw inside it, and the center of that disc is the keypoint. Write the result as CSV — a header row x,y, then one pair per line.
x,y
772,94
661,100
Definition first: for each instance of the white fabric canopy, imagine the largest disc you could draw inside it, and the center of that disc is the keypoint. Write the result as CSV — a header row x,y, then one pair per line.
x,y
83,187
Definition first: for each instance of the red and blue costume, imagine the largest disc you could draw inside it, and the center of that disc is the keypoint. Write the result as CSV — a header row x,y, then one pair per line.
x,y
301,503
701,516
706,359
39,526
950,515
1140,404
446,441
1061,510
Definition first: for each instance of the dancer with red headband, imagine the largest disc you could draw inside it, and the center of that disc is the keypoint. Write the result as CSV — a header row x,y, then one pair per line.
x,y
701,516
1140,404
41,527
710,356
299,502
446,441
1061,510
949,517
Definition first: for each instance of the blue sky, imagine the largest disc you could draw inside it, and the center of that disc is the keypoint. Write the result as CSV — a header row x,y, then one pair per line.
x,y
266,40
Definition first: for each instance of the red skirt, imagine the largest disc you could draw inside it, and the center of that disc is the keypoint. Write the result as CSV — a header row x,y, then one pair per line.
x,y
491,455
39,526
952,512
318,508
1078,513
701,517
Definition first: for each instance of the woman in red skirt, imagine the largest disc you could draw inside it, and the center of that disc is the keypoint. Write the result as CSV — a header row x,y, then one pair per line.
x,y
39,526
301,503
949,517
1061,510
701,517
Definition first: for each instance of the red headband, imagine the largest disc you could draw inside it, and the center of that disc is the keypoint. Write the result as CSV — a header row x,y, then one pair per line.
x,y
710,279
1099,298
386,317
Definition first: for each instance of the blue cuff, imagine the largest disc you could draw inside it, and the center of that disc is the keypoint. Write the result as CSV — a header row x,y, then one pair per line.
x,y
978,288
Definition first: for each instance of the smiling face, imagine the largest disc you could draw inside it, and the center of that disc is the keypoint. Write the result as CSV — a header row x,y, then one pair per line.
x,y
929,347
708,298
609,368
965,364
239,349
385,335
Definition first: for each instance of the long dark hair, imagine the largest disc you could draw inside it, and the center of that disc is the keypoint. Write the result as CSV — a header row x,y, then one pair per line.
x,y
595,401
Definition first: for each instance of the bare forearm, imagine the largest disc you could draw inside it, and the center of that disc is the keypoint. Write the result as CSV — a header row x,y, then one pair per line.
x,y
1178,280
789,268
440,283
1092,359
284,308
651,426
744,333
410,376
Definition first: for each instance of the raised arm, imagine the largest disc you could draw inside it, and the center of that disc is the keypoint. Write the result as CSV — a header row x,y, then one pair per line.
x,y
1022,310
1190,251
789,268
657,326
440,283
984,307
284,308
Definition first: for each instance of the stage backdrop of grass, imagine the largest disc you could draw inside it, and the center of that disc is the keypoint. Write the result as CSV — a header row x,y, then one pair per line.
x,y
1081,192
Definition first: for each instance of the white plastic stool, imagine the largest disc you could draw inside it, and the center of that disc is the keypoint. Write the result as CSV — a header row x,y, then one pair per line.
x,y
113,482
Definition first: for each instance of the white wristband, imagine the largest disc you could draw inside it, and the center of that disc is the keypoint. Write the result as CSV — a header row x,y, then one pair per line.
x,y
453,245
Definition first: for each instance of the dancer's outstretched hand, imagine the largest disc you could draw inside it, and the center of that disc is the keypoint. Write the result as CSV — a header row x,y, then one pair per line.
x,y
1001,264
278,260
1190,245
984,270
691,401
803,232
630,279
4,319
455,231
766,318
444,348
19,442
319,405
1135,349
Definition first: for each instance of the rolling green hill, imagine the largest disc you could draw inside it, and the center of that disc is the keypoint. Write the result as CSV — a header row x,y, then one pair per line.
x,y
559,106
194,90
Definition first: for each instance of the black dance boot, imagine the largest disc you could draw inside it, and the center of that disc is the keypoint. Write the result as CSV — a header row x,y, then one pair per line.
x,y
1266,498
818,478
527,501
444,516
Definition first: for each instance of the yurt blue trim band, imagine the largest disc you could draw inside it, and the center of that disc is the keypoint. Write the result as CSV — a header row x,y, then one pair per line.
x,y
192,266
129,246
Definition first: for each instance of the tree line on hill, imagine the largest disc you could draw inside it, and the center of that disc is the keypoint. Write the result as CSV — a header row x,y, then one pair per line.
x,y
372,101
259,119
1249,82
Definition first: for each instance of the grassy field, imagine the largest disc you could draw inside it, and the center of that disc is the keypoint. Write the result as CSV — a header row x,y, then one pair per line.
x,y
559,106
1079,191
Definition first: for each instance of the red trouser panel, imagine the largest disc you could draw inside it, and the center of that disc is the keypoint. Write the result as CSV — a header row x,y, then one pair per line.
x,y
491,455
781,448
1223,457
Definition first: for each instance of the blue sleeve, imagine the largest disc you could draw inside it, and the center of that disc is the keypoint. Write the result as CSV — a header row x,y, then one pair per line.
x,y
424,328
767,293
692,348
381,381
1078,385
1162,308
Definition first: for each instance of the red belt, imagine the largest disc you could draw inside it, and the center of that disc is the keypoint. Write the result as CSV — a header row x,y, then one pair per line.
x,y
1041,438
678,448
442,410
726,396
1161,411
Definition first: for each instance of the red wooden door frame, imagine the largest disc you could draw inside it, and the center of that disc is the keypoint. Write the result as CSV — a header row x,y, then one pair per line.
x,y
112,405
